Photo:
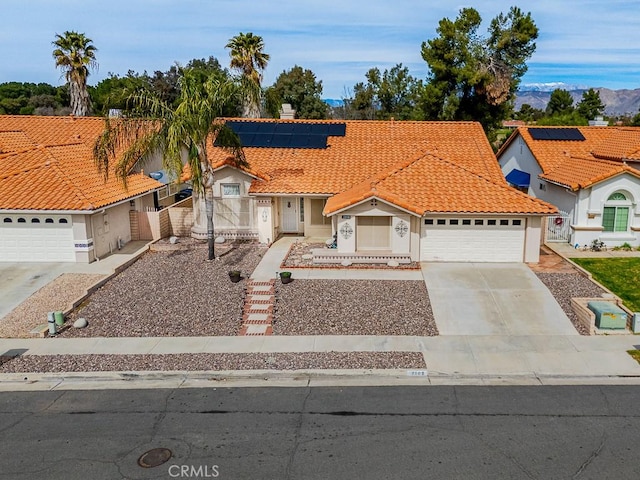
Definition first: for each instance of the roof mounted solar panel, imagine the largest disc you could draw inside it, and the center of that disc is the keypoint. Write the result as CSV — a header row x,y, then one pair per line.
x,y
286,127
302,128
281,140
317,141
564,134
265,127
285,134
337,129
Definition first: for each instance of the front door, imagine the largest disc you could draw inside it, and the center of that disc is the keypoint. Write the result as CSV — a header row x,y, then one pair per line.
x,y
289,209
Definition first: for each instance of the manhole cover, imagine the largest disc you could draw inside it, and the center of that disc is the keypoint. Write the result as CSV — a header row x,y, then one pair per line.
x,y
154,457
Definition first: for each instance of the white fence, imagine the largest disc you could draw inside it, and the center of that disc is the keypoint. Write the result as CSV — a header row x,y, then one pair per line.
x,y
558,228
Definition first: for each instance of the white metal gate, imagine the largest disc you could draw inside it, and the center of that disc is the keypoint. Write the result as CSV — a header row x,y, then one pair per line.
x,y
558,228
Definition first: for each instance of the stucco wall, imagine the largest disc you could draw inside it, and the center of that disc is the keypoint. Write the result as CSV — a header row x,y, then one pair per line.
x,y
110,225
316,231
588,225
518,156
404,234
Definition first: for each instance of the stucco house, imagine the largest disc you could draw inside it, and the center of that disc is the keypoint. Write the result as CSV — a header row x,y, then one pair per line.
x,y
592,174
54,205
408,191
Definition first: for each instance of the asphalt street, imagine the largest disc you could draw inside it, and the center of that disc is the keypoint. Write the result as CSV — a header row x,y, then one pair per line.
x,y
448,432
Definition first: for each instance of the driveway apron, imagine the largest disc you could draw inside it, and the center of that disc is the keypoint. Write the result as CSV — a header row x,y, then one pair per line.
x,y
492,299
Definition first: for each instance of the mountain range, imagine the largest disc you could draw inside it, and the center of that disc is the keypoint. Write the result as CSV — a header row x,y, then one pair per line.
x,y
617,102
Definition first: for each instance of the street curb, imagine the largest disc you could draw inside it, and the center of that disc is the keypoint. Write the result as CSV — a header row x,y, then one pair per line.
x,y
290,378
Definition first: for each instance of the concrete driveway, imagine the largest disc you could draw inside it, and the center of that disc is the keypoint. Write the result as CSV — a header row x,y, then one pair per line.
x,y
18,281
492,299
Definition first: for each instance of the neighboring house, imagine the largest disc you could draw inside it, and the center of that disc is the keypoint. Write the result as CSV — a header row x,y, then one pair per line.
x,y
592,174
409,191
54,205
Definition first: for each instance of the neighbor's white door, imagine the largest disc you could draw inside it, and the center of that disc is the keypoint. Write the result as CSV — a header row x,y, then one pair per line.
x,y
289,209
472,240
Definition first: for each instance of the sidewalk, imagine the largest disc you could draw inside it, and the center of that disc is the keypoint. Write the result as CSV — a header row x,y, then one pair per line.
x,y
450,359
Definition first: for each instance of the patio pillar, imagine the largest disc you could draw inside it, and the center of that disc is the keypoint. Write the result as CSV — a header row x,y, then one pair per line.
x,y
266,232
401,234
532,240
346,233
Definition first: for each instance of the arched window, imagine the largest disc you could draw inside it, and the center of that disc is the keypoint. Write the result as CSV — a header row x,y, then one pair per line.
x,y
63,220
22,220
7,220
615,216
48,220
35,220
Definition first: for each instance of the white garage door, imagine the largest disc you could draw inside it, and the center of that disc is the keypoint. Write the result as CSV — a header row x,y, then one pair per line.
x,y
472,240
36,238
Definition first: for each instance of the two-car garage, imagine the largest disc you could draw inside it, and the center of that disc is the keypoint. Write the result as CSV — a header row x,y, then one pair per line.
x,y
473,239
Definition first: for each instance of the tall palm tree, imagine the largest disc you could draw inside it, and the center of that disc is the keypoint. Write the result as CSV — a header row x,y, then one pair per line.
x,y
178,133
247,56
75,55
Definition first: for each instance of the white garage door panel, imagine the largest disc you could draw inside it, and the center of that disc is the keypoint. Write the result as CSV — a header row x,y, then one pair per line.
x,y
471,243
36,243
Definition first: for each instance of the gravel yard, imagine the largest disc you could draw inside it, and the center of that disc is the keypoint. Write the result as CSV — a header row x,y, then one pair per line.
x,y
178,293
57,295
211,362
353,307
564,286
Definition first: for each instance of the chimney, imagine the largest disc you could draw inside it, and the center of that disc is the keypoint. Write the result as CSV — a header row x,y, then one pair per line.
x,y
286,112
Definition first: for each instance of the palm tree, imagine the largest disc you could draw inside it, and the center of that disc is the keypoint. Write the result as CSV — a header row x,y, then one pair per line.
x,y
75,55
179,133
248,57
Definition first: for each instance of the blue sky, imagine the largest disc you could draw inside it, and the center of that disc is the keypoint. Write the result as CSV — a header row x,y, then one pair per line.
x,y
582,42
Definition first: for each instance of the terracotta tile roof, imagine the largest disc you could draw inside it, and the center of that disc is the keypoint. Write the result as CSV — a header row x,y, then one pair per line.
x,y
367,148
578,164
13,141
433,185
56,171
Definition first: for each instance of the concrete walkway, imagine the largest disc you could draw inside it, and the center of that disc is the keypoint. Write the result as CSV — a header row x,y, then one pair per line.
x,y
509,350
270,265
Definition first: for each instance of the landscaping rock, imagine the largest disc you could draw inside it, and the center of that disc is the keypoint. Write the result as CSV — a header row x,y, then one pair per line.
x,y
346,263
173,240
220,240
80,323
307,256
392,263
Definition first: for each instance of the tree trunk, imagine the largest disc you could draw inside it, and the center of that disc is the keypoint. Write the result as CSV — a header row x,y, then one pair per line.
x,y
208,195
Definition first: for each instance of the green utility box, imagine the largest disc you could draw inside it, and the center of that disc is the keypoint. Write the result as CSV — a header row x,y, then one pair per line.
x,y
608,315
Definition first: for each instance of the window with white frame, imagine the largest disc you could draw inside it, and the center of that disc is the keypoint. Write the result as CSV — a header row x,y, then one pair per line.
x,y
230,190
615,215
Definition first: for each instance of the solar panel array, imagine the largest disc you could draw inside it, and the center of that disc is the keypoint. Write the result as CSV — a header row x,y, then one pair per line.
x,y
286,134
573,134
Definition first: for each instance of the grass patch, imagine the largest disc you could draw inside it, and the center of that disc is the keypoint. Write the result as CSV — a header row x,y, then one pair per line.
x,y
635,354
620,275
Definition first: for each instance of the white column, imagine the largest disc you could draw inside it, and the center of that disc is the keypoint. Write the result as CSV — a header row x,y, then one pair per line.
x,y
266,231
532,240
347,233
400,234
